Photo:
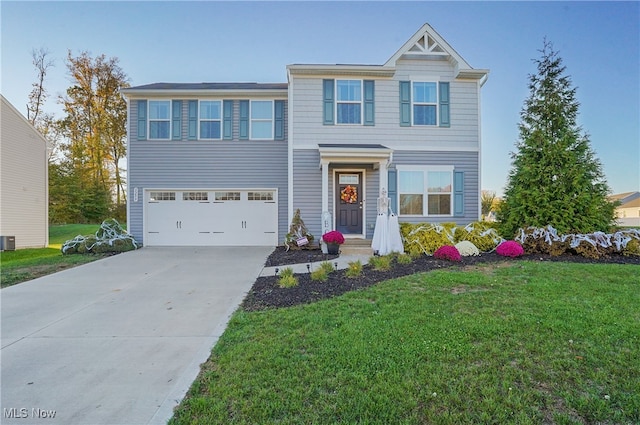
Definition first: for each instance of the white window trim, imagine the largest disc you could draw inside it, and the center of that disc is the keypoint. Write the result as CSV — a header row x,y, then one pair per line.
x,y
170,119
354,102
210,120
414,103
272,120
425,199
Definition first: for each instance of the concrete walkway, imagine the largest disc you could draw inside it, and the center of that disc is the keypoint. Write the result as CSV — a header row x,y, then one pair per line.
x,y
342,263
120,340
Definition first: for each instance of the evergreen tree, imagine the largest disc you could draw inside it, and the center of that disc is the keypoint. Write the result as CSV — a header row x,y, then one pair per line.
x,y
556,178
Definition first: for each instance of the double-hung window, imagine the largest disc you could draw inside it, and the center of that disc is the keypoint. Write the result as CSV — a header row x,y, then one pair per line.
x,y
159,119
439,191
349,101
425,103
262,119
425,191
210,121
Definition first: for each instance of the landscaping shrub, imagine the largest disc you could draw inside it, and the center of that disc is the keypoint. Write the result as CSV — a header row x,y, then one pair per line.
x,y
322,273
510,249
482,234
354,269
287,278
381,263
542,241
632,248
403,258
110,237
589,250
546,240
467,249
447,252
425,238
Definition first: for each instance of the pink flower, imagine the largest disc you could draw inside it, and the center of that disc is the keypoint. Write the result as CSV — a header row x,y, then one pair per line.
x,y
510,249
448,252
333,237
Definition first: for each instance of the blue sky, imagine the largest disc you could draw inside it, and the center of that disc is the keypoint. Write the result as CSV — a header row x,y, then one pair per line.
x,y
254,41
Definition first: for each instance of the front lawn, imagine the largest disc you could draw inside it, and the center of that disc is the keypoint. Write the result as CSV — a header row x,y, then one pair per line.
x,y
516,342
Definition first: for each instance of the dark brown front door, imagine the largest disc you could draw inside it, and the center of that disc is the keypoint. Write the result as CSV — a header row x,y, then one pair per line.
x,y
349,202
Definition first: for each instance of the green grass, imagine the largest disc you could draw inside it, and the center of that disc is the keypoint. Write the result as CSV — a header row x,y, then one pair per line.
x,y
27,264
61,233
514,343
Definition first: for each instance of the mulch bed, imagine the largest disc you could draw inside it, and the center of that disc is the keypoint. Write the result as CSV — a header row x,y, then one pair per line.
x,y
266,293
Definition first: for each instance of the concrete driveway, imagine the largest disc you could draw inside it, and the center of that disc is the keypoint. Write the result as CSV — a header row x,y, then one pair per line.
x,y
119,340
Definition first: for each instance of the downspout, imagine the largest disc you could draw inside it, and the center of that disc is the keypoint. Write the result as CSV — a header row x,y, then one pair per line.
x,y
479,86
289,147
129,198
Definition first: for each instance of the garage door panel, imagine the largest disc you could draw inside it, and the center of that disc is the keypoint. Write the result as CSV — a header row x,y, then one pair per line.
x,y
209,218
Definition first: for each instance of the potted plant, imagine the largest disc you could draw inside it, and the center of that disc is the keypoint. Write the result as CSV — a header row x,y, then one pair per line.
x,y
333,239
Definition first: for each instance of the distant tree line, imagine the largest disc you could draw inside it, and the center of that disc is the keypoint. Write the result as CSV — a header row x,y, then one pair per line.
x,y
87,144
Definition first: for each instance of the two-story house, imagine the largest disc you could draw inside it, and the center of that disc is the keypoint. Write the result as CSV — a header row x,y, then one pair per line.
x,y
229,163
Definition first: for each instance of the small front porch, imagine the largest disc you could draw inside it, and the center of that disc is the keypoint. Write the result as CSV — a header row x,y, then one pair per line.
x,y
352,178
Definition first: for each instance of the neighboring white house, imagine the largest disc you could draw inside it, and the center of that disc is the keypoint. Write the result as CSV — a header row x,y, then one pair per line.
x,y
24,195
628,212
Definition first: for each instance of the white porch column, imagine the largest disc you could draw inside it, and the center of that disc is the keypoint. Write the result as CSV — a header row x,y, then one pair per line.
x,y
325,185
384,176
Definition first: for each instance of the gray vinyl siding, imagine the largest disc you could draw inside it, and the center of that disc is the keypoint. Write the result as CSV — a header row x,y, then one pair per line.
x,y
307,185
204,164
308,127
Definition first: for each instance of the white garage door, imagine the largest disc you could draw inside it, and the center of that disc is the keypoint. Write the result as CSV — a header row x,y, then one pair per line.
x,y
211,218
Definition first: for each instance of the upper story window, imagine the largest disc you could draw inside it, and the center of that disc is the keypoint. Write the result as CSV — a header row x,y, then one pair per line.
x,y
261,119
425,191
210,119
349,101
159,119
425,103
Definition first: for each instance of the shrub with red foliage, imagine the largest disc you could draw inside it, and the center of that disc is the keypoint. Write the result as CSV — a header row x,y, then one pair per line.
x,y
510,249
447,252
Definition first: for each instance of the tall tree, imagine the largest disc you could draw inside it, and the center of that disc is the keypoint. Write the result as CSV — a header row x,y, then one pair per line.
x,y
95,121
487,198
37,97
556,178
44,122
